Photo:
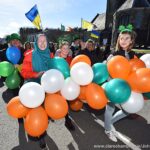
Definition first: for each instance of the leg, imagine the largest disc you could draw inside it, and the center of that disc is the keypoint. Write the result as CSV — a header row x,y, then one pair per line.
x,y
42,142
119,115
68,123
110,108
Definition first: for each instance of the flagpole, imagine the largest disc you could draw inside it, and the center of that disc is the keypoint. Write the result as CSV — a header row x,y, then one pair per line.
x,y
41,24
81,28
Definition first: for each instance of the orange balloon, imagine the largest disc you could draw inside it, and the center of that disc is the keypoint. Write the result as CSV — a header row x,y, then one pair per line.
x,y
119,67
95,96
76,105
140,80
16,109
136,64
82,95
36,122
80,58
56,106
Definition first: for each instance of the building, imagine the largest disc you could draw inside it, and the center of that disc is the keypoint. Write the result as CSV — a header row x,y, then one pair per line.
x,y
124,12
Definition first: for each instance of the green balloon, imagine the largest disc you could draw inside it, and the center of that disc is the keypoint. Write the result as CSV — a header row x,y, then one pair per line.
x,y
117,91
13,81
147,95
62,65
6,69
100,73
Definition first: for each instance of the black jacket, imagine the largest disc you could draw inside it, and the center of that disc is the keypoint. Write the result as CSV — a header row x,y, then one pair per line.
x,y
95,55
122,53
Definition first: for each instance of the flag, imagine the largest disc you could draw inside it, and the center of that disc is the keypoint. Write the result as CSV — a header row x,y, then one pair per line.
x,y
86,25
34,17
95,34
62,27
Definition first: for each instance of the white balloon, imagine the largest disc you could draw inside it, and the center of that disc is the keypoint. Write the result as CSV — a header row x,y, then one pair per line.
x,y
134,104
82,73
52,81
70,89
31,95
146,59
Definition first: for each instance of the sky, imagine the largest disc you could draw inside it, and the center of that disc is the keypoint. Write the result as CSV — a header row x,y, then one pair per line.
x,y
53,13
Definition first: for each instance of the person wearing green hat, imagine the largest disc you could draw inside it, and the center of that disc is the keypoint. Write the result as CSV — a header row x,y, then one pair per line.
x,y
15,40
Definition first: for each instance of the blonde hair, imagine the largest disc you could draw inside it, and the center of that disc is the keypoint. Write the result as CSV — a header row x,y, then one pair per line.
x,y
63,43
133,37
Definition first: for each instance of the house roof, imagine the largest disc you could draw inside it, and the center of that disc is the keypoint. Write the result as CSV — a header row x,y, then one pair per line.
x,y
133,4
99,21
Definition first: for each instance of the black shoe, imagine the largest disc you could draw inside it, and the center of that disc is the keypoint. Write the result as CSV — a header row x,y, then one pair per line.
x,y
20,120
69,125
42,143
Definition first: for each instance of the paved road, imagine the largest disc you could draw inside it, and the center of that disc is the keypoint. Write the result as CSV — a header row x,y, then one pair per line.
x,y
133,133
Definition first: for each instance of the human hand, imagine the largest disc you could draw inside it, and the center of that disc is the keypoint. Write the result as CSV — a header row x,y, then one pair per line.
x,y
39,74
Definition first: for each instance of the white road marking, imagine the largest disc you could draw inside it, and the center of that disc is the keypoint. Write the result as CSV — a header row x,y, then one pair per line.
x,y
119,135
82,131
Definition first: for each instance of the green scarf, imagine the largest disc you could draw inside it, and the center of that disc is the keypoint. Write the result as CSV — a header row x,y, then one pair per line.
x,y
41,60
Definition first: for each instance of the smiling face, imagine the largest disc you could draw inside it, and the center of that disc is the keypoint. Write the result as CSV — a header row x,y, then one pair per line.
x,y
27,46
90,46
15,42
42,42
65,50
125,41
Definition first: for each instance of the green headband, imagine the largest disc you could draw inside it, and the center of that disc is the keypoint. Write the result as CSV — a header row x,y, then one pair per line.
x,y
123,28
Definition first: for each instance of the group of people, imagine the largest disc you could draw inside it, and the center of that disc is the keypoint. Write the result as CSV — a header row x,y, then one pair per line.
x,y
36,60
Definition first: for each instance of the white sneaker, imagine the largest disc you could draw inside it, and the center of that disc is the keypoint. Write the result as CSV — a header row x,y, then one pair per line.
x,y
111,135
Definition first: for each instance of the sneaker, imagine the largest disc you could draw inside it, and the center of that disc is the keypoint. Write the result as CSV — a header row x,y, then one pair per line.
x,y
111,135
69,125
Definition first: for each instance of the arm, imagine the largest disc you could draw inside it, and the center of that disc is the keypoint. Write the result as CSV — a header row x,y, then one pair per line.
x,y
27,70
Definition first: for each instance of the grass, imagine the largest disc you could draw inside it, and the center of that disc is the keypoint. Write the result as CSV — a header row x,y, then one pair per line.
x,y
142,51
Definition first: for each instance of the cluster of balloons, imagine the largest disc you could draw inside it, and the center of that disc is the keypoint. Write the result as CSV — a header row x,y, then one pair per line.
x,y
8,70
81,83
58,85
131,79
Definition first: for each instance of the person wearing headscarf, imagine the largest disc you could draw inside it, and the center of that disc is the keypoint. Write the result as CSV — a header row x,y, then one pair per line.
x,y
37,61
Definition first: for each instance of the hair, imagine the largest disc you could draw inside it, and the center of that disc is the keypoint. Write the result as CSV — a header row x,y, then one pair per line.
x,y
26,45
89,41
41,34
133,37
63,43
